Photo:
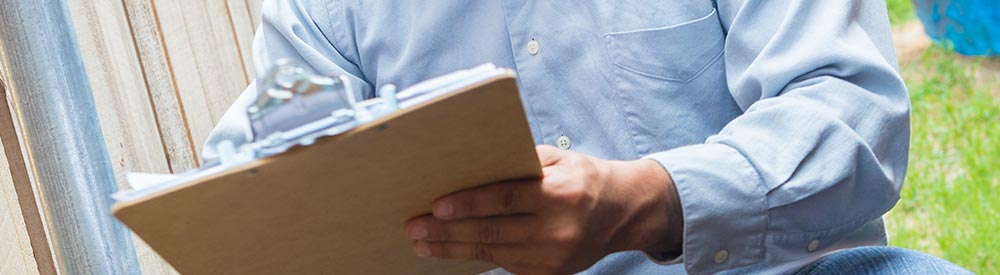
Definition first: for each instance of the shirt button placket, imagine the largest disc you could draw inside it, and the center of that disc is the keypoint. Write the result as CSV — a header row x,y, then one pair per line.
x,y
533,47
563,142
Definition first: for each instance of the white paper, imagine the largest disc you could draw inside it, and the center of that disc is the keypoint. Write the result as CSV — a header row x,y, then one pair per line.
x,y
145,180
146,184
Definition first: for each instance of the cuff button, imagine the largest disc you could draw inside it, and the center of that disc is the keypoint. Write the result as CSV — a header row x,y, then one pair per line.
x,y
721,256
813,245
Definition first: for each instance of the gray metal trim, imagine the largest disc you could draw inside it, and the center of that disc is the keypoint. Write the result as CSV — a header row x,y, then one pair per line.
x,y
62,136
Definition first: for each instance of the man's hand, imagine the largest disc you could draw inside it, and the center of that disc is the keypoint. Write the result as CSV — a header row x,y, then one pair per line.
x,y
583,209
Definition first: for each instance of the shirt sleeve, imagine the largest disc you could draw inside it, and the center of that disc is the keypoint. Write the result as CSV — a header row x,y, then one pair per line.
x,y
821,148
300,31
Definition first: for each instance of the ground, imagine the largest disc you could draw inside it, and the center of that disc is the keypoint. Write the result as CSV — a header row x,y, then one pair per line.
x,y
948,206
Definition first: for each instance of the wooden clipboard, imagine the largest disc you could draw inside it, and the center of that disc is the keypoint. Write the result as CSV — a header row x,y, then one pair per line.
x,y
338,206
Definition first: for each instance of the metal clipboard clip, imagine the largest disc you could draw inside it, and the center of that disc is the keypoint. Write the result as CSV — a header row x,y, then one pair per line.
x,y
295,107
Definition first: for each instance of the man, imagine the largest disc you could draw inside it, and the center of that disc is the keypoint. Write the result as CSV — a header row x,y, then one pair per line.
x,y
738,136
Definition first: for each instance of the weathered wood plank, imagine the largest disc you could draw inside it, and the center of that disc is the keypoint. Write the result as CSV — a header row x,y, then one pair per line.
x,y
16,255
170,114
119,88
122,99
18,252
15,246
243,28
254,6
202,48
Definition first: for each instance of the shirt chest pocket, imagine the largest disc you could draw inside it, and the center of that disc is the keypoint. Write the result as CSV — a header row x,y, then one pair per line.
x,y
677,53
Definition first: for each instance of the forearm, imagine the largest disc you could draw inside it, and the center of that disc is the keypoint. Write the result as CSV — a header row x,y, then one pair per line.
x,y
656,222
821,146
785,175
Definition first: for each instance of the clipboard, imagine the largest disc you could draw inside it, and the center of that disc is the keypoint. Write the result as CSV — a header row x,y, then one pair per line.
x,y
338,206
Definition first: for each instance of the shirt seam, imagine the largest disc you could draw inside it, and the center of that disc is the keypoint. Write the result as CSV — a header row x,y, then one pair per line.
x,y
526,103
750,173
633,133
329,7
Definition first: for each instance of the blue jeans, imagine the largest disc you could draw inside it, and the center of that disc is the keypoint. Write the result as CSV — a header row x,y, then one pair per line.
x,y
867,260
881,260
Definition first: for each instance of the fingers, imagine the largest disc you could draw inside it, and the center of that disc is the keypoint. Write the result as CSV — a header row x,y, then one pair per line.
x,y
548,155
513,258
507,229
504,198
466,251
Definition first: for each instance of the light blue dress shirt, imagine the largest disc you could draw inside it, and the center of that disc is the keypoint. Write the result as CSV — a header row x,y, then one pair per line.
x,y
784,124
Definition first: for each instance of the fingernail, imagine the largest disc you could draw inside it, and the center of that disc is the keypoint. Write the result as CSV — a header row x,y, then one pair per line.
x,y
422,250
443,209
418,232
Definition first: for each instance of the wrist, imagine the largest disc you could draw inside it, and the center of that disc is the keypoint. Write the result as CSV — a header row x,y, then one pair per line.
x,y
654,220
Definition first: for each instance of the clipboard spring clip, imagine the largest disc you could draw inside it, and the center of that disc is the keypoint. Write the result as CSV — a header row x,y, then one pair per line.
x,y
296,106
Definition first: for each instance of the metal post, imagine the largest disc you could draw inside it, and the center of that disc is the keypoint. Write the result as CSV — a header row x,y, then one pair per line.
x,y
62,136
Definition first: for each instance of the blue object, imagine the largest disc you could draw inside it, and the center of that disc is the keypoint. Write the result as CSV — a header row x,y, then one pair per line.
x,y
881,260
972,27
783,125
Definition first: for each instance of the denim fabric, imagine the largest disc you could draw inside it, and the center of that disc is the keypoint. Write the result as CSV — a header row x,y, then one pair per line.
x,y
867,260
880,260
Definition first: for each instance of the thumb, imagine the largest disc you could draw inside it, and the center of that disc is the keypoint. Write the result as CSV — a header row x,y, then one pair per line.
x,y
548,154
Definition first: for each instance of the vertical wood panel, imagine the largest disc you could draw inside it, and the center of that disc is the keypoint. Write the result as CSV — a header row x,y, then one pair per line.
x,y
171,119
120,95
163,72
19,177
16,253
15,246
239,14
122,100
255,6
205,59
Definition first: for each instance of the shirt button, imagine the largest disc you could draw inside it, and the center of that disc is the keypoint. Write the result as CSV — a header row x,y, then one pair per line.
x,y
721,256
813,245
533,47
564,142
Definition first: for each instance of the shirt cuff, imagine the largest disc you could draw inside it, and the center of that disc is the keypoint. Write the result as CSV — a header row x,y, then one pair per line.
x,y
664,258
724,206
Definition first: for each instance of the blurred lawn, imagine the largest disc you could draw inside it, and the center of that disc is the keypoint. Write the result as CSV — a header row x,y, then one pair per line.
x,y
948,207
900,11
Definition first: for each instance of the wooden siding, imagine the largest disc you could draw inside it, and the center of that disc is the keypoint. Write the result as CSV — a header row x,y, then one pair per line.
x,y
162,72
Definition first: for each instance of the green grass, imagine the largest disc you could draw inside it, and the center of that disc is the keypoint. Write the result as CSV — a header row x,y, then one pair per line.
x,y
949,207
900,10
